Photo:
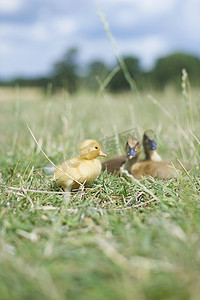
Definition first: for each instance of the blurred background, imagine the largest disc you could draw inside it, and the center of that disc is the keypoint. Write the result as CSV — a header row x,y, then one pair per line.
x,y
64,43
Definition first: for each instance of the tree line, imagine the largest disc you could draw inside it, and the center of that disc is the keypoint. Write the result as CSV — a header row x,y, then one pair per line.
x,y
67,74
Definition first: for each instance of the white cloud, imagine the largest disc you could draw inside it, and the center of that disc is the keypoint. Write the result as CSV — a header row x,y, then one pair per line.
x,y
147,7
23,33
10,6
191,11
97,50
64,25
155,7
4,48
146,48
5,29
128,14
38,31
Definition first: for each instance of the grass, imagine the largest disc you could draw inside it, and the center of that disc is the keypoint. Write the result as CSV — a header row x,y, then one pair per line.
x,y
117,239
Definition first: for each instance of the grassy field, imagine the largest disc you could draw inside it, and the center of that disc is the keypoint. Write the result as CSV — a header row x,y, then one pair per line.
x,y
117,239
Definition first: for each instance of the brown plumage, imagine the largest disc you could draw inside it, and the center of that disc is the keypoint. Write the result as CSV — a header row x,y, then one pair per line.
x,y
155,169
150,150
133,150
150,166
113,165
150,147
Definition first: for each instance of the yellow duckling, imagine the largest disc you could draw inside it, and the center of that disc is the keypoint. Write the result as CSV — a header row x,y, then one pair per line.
x,y
150,147
82,169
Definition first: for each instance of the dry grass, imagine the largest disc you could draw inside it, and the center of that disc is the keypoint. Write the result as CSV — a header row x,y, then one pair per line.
x,y
118,238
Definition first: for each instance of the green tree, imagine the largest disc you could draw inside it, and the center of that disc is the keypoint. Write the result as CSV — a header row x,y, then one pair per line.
x,y
168,69
119,81
65,72
97,72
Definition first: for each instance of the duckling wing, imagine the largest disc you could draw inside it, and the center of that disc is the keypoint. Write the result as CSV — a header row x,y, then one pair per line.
x,y
165,170
137,170
69,167
82,170
89,170
155,169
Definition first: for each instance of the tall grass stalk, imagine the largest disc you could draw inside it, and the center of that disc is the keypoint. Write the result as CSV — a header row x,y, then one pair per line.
x,y
186,91
120,59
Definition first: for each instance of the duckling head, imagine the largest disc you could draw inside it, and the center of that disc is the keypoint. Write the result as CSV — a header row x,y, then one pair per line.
x,y
133,148
149,140
91,149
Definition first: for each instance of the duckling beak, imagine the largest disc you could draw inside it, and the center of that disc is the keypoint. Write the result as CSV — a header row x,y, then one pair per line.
x,y
152,145
101,153
131,153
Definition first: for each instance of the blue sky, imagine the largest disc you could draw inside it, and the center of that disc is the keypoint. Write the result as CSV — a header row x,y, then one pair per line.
x,y
34,34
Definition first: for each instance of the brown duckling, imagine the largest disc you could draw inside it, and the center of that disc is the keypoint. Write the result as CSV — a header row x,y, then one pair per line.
x,y
113,165
82,169
150,150
150,147
133,150
155,169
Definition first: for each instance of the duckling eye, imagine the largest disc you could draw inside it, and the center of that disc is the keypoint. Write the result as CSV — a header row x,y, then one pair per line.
x,y
96,147
138,143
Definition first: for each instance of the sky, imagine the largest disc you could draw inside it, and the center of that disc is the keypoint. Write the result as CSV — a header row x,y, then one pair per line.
x,y
35,34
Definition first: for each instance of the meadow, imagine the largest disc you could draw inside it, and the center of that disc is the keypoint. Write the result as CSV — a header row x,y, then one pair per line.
x,y
118,238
